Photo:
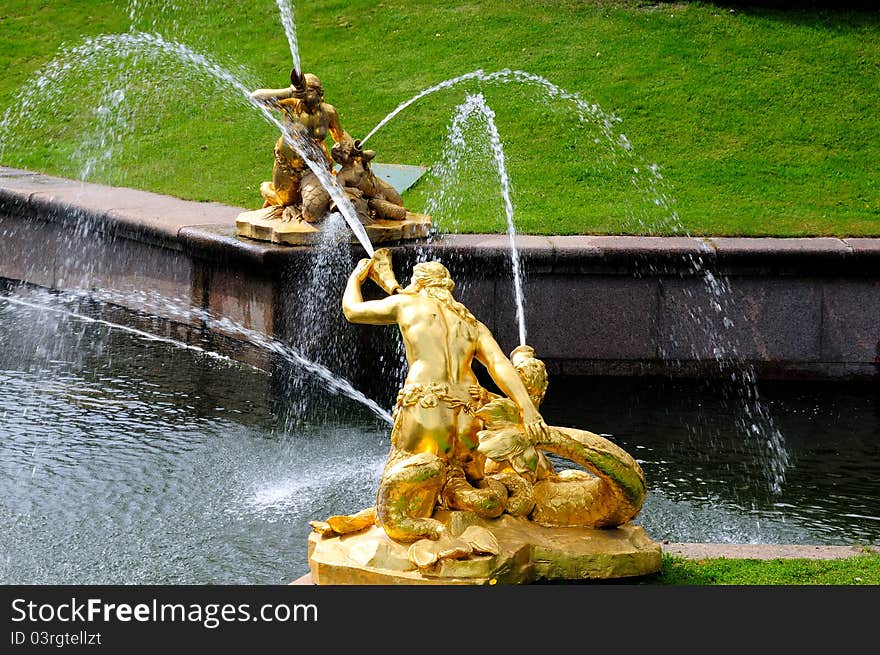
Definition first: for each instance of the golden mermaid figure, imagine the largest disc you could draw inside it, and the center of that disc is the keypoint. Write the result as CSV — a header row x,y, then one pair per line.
x,y
306,116
456,446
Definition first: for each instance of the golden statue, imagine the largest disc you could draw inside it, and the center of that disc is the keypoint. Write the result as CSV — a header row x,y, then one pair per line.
x,y
467,493
296,199
304,115
373,198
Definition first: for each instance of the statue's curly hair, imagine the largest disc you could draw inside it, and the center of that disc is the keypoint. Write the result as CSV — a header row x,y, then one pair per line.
x,y
433,274
434,279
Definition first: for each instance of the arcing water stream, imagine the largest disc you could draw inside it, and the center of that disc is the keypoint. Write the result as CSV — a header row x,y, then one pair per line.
x,y
331,382
285,9
475,108
97,54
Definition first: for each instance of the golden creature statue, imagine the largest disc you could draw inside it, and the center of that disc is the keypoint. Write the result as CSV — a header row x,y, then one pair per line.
x,y
298,196
372,197
467,477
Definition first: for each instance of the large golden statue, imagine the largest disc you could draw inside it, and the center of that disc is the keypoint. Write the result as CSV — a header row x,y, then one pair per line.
x,y
467,493
296,200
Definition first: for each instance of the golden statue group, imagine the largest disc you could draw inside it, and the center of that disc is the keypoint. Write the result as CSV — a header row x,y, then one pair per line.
x,y
467,495
296,201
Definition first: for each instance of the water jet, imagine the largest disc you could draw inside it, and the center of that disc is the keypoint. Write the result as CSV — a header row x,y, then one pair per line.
x,y
666,309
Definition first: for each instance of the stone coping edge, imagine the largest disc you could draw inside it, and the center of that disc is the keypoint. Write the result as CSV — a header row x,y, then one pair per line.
x,y
701,551
207,230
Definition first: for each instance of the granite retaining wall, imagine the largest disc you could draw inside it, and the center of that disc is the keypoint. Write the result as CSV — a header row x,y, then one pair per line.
x,y
598,305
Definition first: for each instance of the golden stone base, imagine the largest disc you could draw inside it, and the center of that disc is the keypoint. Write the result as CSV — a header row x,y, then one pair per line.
x,y
266,225
528,553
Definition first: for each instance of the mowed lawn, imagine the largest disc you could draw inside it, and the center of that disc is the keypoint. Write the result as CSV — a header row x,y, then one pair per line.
x,y
624,117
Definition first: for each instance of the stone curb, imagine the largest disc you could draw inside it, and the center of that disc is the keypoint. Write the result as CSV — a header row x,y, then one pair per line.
x,y
208,228
701,551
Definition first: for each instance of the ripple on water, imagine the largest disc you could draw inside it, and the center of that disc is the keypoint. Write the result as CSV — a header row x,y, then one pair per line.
x,y
116,465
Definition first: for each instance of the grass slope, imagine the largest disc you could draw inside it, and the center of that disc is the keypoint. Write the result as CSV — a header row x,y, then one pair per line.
x,y
752,122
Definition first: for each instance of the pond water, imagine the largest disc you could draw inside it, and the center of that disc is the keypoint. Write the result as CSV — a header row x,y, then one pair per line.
x,y
130,461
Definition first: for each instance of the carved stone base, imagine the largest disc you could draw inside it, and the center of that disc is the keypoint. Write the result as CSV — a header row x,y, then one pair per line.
x,y
528,553
267,225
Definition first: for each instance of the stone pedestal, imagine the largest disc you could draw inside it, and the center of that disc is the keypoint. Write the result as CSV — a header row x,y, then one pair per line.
x,y
267,225
528,553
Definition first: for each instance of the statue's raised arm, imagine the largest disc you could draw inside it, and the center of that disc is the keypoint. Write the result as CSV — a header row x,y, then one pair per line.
x,y
507,378
271,97
372,312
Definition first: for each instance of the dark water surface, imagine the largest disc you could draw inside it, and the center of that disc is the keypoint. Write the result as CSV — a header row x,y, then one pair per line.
x,y
124,460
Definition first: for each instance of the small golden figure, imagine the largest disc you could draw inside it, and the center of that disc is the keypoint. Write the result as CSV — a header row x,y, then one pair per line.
x,y
306,116
372,197
301,197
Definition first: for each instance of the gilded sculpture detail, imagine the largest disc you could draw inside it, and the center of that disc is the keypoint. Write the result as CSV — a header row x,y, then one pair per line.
x,y
296,200
295,188
468,483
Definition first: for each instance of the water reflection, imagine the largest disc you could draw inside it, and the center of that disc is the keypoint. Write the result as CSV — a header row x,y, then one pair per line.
x,y
706,485
124,460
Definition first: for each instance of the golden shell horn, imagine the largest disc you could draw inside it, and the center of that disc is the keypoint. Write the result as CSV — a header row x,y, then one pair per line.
x,y
382,273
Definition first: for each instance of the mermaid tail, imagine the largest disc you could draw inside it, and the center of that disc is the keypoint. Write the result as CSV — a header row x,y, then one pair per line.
x,y
614,496
408,492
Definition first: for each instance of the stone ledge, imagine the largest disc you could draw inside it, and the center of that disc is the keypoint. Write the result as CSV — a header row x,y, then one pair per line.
x,y
700,551
119,211
172,223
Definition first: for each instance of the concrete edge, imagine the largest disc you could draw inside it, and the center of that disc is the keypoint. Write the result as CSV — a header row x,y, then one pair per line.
x,y
115,211
703,551
209,229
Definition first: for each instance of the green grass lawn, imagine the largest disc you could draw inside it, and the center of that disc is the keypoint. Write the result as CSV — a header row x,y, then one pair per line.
x,y
860,570
756,122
